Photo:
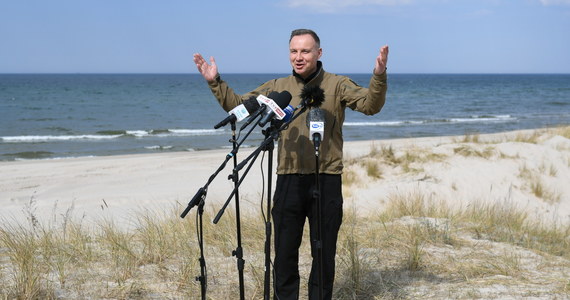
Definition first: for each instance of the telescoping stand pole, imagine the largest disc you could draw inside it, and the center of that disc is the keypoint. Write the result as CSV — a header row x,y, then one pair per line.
x,y
203,278
269,147
318,241
267,144
238,253
271,135
199,200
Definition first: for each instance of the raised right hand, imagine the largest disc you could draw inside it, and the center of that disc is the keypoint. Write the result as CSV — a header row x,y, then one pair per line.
x,y
208,71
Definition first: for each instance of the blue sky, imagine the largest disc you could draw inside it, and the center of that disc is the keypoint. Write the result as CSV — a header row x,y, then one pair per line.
x,y
143,36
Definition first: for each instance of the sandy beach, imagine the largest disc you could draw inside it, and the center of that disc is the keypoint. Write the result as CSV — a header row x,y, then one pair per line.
x,y
495,167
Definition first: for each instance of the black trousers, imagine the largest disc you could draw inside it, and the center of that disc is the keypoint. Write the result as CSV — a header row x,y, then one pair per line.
x,y
293,203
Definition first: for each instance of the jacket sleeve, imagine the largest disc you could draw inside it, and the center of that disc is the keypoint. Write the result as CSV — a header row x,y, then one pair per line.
x,y
229,99
369,100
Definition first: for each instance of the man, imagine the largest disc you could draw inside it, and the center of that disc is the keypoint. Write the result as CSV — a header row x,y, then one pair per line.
x,y
293,200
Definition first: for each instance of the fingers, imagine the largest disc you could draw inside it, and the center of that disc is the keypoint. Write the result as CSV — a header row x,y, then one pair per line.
x,y
208,71
381,60
384,54
202,65
384,51
201,62
198,59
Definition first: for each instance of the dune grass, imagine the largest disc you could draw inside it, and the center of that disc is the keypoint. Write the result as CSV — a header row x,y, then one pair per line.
x,y
416,247
388,255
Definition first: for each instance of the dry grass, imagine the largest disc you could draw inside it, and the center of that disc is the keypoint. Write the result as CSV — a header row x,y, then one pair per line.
x,y
537,186
417,247
469,138
531,138
416,241
372,168
540,190
466,150
419,240
386,156
563,131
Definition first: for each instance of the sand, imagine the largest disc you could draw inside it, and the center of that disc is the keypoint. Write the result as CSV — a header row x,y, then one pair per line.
x,y
115,187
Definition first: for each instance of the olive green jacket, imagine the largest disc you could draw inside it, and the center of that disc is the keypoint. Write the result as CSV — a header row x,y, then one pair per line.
x,y
296,154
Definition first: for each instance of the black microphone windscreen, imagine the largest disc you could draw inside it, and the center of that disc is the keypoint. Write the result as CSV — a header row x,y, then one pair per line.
x,y
251,104
273,95
282,99
312,95
286,95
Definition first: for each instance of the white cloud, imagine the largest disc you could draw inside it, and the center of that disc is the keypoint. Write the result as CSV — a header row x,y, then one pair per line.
x,y
555,2
336,5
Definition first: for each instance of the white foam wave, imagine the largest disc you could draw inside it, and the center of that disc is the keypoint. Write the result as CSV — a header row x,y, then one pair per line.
x,y
386,123
499,118
157,147
138,133
54,158
48,138
188,132
132,133
473,119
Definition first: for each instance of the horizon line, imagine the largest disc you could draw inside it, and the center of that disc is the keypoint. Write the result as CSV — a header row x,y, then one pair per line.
x,y
281,73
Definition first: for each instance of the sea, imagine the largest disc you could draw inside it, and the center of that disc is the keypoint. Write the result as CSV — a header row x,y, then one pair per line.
x,y
56,116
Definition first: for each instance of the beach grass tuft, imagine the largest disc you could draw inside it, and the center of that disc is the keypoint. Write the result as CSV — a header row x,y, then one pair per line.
x,y
415,238
466,150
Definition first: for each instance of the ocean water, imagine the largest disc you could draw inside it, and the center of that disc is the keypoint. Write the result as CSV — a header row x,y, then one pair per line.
x,y
48,116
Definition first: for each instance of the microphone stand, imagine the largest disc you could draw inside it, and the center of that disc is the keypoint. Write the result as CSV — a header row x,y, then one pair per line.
x,y
267,144
270,134
237,184
238,253
317,198
234,172
199,200
203,278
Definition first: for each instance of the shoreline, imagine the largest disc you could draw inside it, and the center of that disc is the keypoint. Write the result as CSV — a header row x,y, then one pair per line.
x,y
244,147
116,186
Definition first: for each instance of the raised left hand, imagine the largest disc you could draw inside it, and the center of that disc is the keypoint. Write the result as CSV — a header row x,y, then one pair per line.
x,y
381,61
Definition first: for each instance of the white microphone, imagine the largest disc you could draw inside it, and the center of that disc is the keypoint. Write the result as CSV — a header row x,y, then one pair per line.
x,y
261,106
239,112
316,124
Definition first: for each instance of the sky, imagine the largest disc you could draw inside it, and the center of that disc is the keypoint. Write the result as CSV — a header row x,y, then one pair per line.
x,y
144,36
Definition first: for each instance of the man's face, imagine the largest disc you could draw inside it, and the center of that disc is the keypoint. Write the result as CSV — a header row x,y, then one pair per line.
x,y
304,54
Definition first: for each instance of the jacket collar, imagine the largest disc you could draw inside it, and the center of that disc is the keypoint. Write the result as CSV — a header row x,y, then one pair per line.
x,y
312,76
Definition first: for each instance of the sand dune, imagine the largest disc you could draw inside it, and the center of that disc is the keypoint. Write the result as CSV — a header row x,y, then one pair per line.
x,y
492,168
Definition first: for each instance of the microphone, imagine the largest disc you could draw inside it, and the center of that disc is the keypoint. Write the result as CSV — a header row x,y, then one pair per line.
x,y
253,116
195,201
289,112
274,108
239,112
312,96
316,124
261,107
